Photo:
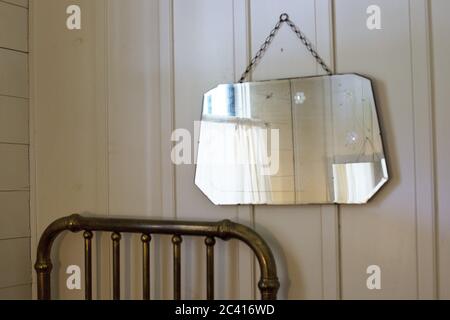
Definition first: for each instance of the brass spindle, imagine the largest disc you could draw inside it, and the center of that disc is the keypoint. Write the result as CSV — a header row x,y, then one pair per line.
x,y
210,242
268,284
116,265
87,235
146,238
176,240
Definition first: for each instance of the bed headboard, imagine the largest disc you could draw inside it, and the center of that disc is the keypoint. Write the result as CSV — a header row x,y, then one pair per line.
x,y
225,230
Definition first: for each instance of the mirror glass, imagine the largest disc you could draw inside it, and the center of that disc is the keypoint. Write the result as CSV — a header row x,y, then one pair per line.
x,y
312,140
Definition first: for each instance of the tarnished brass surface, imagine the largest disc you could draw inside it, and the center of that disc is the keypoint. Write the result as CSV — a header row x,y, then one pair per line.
x,y
176,240
115,237
225,230
210,242
88,264
145,238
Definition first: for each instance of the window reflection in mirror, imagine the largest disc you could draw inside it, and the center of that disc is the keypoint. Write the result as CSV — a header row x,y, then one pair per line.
x,y
296,141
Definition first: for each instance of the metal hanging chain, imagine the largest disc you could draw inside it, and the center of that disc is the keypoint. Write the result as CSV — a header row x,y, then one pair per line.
x,y
284,18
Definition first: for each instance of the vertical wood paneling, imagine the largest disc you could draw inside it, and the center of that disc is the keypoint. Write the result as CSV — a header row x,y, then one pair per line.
x,y
287,56
102,143
382,232
423,140
440,29
133,125
203,58
164,283
32,147
295,238
69,129
133,110
330,264
296,232
329,213
167,106
134,129
247,283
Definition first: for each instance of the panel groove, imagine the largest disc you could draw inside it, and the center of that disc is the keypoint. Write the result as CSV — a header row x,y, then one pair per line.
x,y
306,255
439,27
434,164
167,116
168,197
414,146
14,4
324,19
13,50
383,232
14,143
12,96
241,42
203,57
13,27
32,136
14,238
17,285
423,149
107,84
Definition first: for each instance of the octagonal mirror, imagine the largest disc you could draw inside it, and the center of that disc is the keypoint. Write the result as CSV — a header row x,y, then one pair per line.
x,y
313,140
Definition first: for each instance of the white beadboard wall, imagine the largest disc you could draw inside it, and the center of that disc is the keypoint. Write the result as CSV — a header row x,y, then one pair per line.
x,y
15,265
440,51
100,139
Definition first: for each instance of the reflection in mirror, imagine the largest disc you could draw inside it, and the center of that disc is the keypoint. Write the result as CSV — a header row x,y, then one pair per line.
x,y
309,140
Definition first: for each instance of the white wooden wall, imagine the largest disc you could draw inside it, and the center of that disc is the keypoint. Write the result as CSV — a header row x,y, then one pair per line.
x,y
440,51
15,264
138,69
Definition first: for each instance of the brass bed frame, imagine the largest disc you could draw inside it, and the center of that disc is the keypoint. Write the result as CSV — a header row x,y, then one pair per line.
x,y
225,230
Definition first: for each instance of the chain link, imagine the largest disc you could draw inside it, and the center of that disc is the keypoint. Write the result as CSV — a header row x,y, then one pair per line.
x,y
284,18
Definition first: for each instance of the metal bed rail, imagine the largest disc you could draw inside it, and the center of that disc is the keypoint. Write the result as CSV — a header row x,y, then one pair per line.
x,y
225,230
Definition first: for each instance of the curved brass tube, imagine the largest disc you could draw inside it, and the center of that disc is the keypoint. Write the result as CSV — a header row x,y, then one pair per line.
x,y
226,230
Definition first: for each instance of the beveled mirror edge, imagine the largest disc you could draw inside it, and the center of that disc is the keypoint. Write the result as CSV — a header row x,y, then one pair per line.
x,y
380,186
293,78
